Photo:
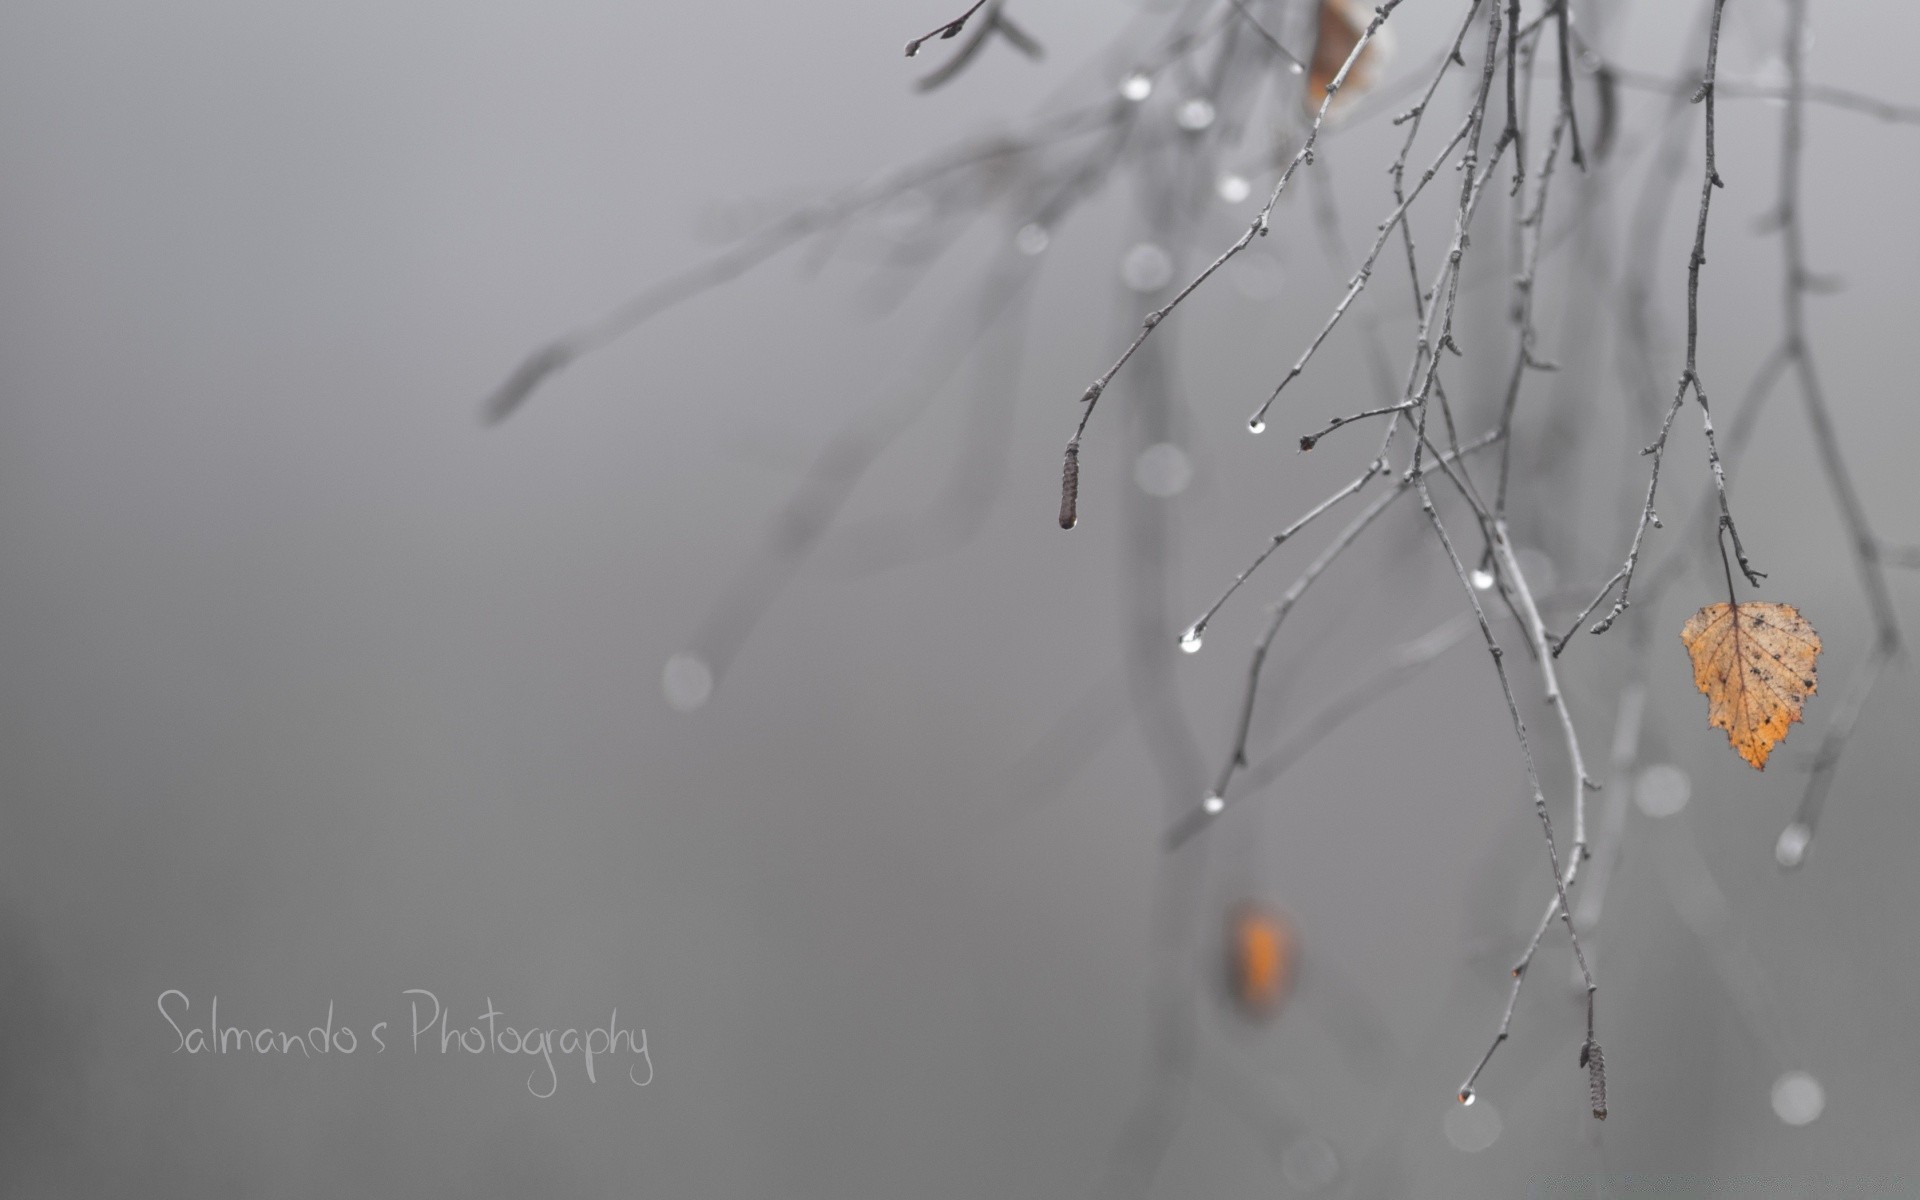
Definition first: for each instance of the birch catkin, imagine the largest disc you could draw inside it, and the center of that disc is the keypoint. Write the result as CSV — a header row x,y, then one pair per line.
x,y
1070,487
1596,1065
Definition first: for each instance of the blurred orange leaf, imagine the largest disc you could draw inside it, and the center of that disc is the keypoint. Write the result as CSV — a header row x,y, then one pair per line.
x,y
1755,662
1260,953
1341,24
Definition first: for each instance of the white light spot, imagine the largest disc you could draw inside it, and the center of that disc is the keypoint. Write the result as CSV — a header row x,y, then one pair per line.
x,y
1162,470
1791,849
1032,240
1472,1127
687,682
1212,805
1663,790
1539,570
1195,115
1146,268
1798,1098
1309,1165
906,216
1258,273
1256,425
1190,640
1137,86
1481,578
1234,188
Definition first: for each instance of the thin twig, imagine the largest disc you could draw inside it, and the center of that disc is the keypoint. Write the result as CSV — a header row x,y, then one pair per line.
x,y
1576,854
1690,374
950,29
1241,7
1216,800
1590,1049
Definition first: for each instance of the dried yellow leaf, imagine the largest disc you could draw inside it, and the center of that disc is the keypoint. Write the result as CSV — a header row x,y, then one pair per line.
x,y
1755,662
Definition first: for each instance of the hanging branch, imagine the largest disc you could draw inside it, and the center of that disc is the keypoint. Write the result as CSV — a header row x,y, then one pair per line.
x,y
1798,835
1258,227
1690,374
996,22
750,252
950,30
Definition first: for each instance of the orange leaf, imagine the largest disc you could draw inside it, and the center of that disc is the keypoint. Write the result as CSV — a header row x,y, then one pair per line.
x,y
1260,953
1341,24
1755,662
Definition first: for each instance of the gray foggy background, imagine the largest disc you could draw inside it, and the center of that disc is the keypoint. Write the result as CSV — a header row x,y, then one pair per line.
x,y
312,690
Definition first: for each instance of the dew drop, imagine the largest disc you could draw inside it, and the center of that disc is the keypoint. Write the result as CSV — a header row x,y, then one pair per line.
x,y
687,682
1791,849
1472,1128
1190,640
1798,1098
1137,86
1195,115
1481,578
1234,188
1256,426
1466,1094
1296,67
1032,240
1162,470
1146,268
1662,790
1212,805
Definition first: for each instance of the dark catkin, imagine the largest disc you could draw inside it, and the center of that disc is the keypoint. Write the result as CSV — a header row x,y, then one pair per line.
x,y
1596,1078
1070,487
